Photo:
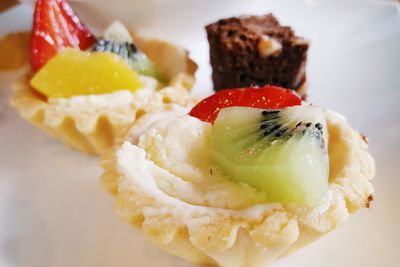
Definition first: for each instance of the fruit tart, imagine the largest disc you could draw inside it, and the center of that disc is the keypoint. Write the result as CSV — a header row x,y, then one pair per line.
x,y
248,176
86,90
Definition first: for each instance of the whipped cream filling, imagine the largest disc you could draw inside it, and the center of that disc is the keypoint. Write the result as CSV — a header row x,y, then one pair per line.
x,y
147,120
133,162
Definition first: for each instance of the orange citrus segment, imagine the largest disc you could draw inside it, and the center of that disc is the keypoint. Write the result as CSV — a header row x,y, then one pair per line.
x,y
73,72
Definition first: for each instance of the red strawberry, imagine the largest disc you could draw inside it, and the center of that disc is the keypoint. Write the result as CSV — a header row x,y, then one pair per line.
x,y
268,97
55,26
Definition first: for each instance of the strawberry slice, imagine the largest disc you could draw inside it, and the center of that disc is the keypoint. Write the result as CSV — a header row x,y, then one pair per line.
x,y
268,97
55,26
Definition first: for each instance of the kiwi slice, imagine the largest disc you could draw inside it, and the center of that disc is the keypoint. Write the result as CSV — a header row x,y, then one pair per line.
x,y
282,153
117,40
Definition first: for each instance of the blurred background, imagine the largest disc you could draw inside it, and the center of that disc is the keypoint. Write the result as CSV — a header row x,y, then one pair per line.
x,y
52,217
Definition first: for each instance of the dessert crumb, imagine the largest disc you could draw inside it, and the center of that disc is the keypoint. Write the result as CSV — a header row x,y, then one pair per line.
x,y
364,137
369,200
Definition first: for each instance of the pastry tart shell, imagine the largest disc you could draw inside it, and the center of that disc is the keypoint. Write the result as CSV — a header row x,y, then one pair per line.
x,y
93,129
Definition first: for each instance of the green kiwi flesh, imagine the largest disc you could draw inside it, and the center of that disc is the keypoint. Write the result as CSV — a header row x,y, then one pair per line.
x,y
282,153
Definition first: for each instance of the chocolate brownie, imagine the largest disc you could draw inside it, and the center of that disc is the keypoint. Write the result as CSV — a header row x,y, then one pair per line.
x,y
256,51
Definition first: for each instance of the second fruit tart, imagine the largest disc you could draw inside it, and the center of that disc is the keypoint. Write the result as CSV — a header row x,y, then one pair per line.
x,y
86,90
248,176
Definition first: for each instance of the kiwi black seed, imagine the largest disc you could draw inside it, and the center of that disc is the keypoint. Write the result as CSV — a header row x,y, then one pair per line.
x,y
275,125
118,40
131,55
123,49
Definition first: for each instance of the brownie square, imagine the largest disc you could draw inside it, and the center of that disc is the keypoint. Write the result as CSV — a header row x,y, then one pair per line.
x,y
256,51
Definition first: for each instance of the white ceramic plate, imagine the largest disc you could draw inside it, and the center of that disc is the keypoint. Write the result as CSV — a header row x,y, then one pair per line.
x,y
53,213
